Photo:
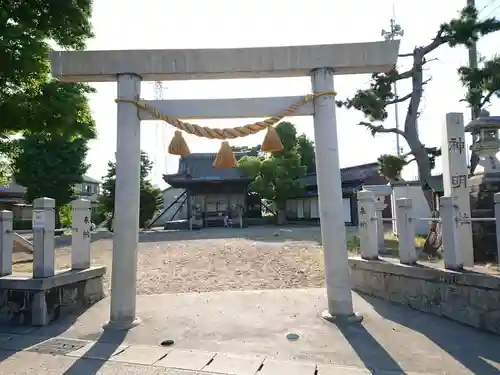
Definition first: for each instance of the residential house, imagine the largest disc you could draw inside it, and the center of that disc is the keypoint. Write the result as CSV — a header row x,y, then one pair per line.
x,y
12,197
306,206
89,188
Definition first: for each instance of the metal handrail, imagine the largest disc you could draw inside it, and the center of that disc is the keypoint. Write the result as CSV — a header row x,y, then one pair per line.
x,y
23,241
438,219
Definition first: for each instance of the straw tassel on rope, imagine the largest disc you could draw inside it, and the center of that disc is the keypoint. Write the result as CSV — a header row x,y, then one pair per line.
x,y
272,141
178,145
225,157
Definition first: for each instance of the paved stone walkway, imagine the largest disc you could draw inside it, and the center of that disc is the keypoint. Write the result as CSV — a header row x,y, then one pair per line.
x,y
246,333
22,354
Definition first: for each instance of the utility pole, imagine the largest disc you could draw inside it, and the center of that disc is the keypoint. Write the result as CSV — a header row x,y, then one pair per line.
x,y
474,110
391,34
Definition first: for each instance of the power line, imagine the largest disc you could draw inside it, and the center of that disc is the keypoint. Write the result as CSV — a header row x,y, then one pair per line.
x,y
159,129
391,34
494,9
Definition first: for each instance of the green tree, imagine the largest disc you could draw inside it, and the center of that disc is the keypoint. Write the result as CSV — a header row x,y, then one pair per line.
x,y
276,176
482,84
49,166
390,166
306,151
151,199
31,101
373,102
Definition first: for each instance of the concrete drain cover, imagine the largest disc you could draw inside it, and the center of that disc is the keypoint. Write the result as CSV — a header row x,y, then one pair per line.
x,y
58,346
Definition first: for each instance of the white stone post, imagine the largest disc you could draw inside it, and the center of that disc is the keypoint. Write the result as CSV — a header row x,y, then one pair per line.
x,y
379,208
80,238
450,227
336,259
126,225
497,217
406,234
43,237
455,180
6,219
367,226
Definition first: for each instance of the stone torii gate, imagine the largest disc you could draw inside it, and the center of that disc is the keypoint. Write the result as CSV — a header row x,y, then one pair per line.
x,y
129,67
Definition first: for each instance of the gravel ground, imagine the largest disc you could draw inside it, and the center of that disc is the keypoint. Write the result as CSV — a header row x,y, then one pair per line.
x,y
218,259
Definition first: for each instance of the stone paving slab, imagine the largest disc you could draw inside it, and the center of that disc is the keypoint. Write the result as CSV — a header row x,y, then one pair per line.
x,y
344,370
272,367
98,350
257,322
144,360
193,360
21,342
234,364
141,354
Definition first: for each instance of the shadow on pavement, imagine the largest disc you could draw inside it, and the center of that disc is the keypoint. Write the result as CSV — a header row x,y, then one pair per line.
x,y
468,346
102,350
372,354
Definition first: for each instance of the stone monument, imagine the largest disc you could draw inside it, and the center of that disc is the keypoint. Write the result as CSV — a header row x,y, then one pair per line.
x,y
484,183
455,175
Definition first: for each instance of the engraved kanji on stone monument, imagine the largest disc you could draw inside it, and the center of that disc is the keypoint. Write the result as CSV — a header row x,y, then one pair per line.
x,y
455,180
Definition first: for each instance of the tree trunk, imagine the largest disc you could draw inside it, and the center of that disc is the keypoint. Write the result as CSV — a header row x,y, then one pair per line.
x,y
57,217
281,217
433,240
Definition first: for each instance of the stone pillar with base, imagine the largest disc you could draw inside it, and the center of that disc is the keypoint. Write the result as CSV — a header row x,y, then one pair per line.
x,y
484,183
455,176
367,227
380,193
6,244
80,237
43,237
450,226
337,277
126,225
406,234
496,198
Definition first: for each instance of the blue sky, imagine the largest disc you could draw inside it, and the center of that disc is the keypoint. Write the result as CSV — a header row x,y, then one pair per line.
x,y
155,24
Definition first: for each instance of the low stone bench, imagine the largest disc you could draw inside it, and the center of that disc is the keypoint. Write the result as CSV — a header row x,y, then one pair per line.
x,y
39,301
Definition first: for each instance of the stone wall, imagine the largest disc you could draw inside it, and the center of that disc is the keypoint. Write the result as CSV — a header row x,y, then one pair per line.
x,y
30,301
466,297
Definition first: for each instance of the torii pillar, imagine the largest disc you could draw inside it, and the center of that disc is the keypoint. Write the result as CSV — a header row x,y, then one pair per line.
x,y
130,67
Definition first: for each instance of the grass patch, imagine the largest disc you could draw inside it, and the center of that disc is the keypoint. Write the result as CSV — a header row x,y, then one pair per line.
x,y
391,243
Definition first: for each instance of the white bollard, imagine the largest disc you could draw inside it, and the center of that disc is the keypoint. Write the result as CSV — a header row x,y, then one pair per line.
x,y
80,237
6,218
367,227
43,237
450,225
379,210
497,217
406,231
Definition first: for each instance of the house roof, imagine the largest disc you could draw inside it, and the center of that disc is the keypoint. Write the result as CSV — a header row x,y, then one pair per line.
x,y
198,168
90,179
349,174
13,188
435,183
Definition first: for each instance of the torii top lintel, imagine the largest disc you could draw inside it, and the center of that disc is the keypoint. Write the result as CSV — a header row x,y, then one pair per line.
x,y
183,64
